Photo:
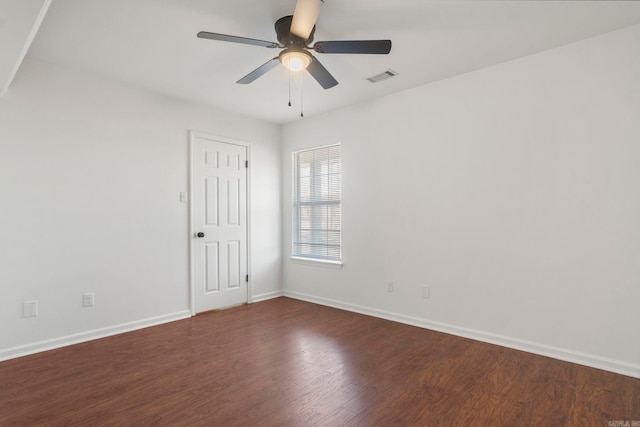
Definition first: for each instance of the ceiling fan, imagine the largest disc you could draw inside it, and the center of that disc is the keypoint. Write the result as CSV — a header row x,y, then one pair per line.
x,y
295,35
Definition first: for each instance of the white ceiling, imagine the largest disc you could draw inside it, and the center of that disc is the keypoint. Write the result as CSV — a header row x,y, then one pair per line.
x,y
153,44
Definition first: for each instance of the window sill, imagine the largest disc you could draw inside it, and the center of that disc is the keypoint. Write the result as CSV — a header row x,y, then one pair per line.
x,y
317,262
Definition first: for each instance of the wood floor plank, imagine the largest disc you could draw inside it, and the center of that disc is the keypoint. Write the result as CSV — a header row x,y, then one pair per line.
x,y
285,362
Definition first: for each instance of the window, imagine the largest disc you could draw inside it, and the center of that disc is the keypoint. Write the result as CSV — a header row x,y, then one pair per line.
x,y
317,204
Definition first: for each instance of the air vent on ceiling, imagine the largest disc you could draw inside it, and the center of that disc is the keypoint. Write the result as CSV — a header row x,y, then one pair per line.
x,y
382,76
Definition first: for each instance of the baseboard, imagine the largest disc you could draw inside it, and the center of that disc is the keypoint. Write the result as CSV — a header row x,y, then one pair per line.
x,y
51,344
611,365
267,296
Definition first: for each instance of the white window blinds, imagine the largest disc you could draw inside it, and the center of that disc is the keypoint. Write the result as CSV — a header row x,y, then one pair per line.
x,y
317,203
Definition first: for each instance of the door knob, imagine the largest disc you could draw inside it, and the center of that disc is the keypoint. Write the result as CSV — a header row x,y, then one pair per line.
x,y
200,234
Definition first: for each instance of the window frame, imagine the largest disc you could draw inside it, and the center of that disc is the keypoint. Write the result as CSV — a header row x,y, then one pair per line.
x,y
295,227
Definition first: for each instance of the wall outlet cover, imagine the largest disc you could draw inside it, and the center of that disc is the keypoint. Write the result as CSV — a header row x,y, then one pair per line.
x,y
88,299
30,309
426,291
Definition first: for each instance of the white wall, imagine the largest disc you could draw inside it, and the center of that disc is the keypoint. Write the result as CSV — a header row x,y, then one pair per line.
x,y
513,191
90,176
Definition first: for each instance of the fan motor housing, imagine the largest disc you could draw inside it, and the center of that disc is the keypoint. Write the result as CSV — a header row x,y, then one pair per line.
x,y
286,39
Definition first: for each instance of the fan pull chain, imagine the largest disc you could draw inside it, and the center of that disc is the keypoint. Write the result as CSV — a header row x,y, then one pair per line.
x,y
301,94
289,88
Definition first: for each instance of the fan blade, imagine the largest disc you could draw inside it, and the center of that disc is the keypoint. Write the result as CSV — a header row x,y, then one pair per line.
x,y
354,46
322,76
267,66
305,16
236,39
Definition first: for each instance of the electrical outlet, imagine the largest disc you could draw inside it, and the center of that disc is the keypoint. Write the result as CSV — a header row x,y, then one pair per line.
x,y
88,299
389,285
426,291
30,309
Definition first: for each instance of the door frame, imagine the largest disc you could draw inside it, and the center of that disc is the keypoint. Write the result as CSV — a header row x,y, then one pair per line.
x,y
193,135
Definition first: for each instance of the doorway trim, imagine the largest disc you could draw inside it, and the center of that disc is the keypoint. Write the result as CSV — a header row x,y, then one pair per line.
x,y
193,135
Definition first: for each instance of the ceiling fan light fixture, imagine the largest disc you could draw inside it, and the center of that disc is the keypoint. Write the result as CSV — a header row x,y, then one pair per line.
x,y
295,35
295,60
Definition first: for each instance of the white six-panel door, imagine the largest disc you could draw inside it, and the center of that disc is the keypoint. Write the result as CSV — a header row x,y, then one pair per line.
x,y
219,223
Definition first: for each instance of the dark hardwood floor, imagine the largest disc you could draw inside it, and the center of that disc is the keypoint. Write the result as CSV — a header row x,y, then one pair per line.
x,y
290,363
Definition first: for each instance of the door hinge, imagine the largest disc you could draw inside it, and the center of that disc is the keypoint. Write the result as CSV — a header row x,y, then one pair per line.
x,y
247,279
246,163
